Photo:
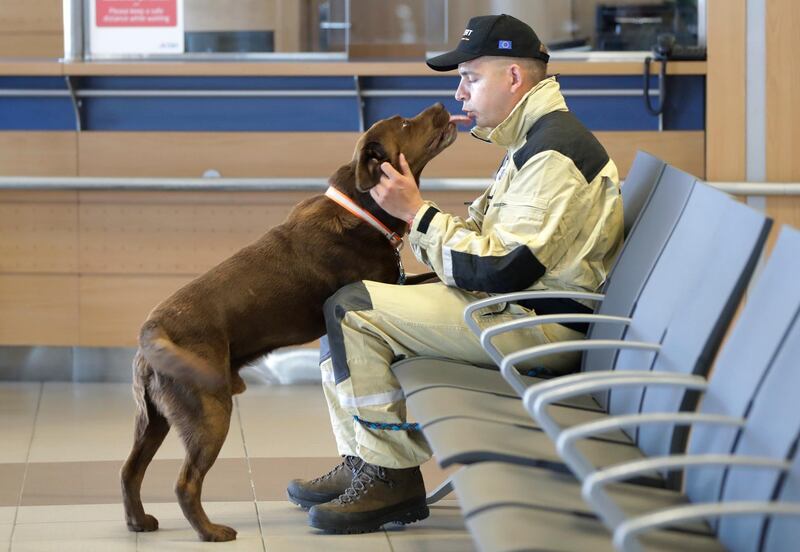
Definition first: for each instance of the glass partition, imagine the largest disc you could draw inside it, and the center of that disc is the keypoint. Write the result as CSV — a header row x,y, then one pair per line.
x,y
359,29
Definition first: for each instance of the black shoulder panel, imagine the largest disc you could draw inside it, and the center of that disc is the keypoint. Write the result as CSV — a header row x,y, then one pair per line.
x,y
561,131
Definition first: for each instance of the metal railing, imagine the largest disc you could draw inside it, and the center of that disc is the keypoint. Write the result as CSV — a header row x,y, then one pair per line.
x,y
312,184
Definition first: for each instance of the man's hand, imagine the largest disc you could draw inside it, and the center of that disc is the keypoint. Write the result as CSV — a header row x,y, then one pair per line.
x,y
397,192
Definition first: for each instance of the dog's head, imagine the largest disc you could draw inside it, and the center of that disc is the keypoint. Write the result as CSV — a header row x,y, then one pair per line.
x,y
420,139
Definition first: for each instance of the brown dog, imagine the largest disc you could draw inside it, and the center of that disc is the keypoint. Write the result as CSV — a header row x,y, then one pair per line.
x,y
268,295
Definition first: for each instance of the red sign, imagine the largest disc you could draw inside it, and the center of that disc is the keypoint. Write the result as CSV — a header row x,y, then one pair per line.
x,y
136,13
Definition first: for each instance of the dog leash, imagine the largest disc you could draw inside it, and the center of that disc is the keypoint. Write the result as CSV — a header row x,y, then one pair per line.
x,y
397,241
401,278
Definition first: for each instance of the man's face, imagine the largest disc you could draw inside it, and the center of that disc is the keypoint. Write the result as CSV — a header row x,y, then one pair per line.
x,y
486,90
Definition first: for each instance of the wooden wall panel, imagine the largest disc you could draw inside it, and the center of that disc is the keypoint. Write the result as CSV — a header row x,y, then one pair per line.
x,y
682,149
319,154
31,28
38,262
38,232
112,308
145,235
725,90
136,248
190,154
291,18
31,45
38,309
31,15
38,153
242,15
115,299
782,111
782,91
158,233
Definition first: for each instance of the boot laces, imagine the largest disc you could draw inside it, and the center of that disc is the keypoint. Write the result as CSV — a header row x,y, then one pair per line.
x,y
364,477
351,462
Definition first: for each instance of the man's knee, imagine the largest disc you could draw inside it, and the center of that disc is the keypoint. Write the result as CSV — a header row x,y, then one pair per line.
x,y
352,297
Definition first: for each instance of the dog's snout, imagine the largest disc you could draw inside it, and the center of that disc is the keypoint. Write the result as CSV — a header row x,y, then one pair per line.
x,y
435,110
441,110
435,115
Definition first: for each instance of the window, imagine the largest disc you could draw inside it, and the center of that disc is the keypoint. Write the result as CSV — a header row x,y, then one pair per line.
x,y
359,29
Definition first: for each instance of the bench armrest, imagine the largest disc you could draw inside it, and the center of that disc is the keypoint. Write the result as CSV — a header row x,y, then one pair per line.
x,y
512,376
488,334
521,296
625,535
566,443
538,406
593,488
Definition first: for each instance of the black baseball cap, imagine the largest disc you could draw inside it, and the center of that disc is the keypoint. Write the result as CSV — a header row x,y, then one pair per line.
x,y
492,35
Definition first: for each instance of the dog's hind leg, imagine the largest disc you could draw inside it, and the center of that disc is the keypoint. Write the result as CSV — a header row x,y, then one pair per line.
x,y
203,439
151,429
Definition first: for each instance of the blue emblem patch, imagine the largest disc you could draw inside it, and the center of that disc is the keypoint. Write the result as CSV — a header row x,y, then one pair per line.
x,y
503,44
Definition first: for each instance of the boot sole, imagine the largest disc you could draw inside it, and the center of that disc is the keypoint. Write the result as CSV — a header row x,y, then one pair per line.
x,y
403,514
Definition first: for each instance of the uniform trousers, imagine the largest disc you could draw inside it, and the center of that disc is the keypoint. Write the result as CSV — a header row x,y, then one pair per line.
x,y
370,325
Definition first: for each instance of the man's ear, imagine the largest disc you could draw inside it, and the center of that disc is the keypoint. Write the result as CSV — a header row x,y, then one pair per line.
x,y
368,166
515,75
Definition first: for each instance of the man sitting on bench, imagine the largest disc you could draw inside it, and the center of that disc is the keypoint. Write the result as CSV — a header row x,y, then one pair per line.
x,y
551,220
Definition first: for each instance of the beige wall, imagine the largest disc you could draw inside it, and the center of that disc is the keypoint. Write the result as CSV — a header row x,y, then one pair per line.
x,y
38,153
782,111
726,132
85,268
725,90
31,28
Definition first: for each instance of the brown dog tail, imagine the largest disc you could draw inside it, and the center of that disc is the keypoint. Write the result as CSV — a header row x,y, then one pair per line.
x,y
140,371
173,361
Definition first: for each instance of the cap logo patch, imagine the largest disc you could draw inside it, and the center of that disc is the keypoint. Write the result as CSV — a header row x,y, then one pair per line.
x,y
503,44
466,34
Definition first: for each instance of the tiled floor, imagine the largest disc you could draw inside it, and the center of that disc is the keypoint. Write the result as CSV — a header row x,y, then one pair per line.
x,y
62,444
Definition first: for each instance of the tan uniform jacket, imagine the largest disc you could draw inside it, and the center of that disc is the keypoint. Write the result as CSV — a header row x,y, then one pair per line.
x,y
552,218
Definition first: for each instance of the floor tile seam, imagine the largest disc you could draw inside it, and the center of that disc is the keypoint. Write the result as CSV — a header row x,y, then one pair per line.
x,y
92,520
388,539
27,458
250,473
178,459
83,504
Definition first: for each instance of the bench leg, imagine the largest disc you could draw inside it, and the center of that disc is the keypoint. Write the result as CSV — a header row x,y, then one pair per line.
x,y
439,492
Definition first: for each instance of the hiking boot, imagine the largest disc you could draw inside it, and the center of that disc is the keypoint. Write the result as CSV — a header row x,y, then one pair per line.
x,y
325,487
376,496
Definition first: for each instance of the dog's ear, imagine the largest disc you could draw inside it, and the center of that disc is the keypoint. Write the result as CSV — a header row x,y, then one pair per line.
x,y
368,166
